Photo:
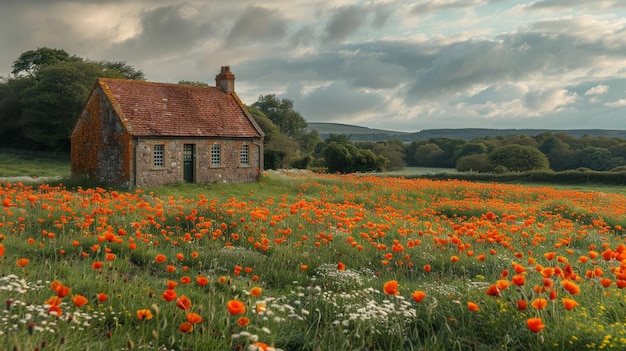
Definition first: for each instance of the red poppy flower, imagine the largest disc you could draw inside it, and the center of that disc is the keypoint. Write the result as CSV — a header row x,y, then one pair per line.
x,y
473,307
22,262
570,286
391,288
144,314
418,295
569,303
256,291
236,307
202,281
539,303
79,300
243,321
169,295
160,258
193,318
185,327
535,324
183,303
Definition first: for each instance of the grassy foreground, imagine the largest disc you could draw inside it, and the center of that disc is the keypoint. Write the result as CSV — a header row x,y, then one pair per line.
x,y
299,261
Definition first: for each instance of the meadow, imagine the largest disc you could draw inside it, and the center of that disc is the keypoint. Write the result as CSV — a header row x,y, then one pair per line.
x,y
303,261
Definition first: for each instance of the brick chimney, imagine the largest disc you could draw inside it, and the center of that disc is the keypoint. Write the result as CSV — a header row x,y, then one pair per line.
x,y
225,80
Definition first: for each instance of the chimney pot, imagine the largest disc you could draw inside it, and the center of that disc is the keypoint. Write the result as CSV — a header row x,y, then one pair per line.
x,y
225,80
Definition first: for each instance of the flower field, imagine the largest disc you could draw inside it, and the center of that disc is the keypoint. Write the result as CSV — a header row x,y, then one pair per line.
x,y
299,261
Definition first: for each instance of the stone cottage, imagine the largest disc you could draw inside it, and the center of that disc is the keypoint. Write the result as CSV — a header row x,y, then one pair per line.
x,y
144,134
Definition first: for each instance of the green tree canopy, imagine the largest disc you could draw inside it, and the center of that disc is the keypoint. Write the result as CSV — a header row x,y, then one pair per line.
x,y
39,105
518,158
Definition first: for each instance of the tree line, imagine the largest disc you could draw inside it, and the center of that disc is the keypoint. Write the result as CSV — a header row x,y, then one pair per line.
x,y
42,98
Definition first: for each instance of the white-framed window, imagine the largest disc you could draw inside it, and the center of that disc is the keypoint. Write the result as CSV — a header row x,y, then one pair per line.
x,y
159,155
216,155
244,155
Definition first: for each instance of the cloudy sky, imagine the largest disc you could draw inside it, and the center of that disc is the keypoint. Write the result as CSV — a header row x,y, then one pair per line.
x,y
395,65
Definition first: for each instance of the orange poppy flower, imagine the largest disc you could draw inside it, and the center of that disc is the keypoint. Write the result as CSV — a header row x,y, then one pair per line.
x,y
606,282
193,318
418,295
549,255
303,267
1,249
427,268
521,305
79,300
170,269
202,281
169,295
55,285
539,303
236,307
256,291
502,284
144,314
570,286
22,262
183,303
96,265
110,257
185,279
160,258
54,310
492,290
259,346
454,258
569,303
518,279
243,321
102,297
53,301
185,327
171,284
472,306
341,266
391,288
63,291
535,324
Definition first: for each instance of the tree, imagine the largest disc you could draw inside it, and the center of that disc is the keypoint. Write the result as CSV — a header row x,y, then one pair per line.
x,y
393,150
290,122
343,156
30,62
474,163
40,104
518,158
595,158
560,156
428,155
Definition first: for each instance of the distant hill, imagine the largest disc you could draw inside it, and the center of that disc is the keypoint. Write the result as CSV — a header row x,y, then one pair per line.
x,y
358,133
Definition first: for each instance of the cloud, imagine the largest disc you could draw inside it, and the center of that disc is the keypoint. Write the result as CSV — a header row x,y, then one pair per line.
x,y
336,102
429,6
597,90
344,22
167,29
618,103
257,25
539,102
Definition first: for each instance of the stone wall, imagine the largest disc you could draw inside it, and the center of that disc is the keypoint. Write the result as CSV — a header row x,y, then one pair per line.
x,y
230,171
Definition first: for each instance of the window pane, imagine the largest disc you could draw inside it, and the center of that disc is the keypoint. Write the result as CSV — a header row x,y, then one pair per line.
x,y
216,155
244,158
159,155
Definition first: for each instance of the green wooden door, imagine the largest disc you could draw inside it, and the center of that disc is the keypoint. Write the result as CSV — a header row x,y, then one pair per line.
x,y
188,156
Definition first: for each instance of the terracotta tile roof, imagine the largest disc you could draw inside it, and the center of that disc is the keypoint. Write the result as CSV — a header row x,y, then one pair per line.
x,y
163,109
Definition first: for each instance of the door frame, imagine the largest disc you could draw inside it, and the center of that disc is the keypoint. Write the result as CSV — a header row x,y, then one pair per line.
x,y
189,168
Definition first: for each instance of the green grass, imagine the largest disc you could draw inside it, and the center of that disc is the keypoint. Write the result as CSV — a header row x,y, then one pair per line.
x,y
15,165
381,229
